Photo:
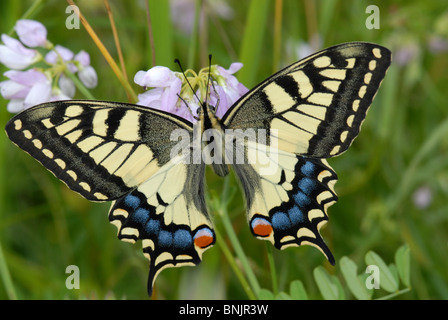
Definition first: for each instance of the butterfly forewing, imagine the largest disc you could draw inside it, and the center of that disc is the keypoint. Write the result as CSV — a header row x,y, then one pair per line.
x,y
317,104
101,150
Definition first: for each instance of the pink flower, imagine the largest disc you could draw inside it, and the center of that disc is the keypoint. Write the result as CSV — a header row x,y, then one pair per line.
x,y
25,89
83,58
51,81
422,197
166,87
229,89
86,73
16,56
32,33
169,93
60,52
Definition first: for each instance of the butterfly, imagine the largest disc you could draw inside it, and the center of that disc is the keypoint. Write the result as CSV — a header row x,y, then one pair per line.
x,y
300,116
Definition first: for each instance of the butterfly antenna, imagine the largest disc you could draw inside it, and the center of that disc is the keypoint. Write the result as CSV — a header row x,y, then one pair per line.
x,y
192,90
186,79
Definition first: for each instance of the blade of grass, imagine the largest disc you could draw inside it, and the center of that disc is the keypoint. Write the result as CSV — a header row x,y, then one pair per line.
x,y
6,277
278,20
311,19
79,85
253,39
194,34
126,85
272,268
162,32
117,45
150,34
326,13
222,245
29,13
224,216
406,183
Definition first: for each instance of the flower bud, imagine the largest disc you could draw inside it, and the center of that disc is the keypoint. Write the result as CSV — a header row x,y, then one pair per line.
x,y
31,33
88,77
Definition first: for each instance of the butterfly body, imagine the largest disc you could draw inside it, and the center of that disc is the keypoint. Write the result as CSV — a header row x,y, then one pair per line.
x,y
151,164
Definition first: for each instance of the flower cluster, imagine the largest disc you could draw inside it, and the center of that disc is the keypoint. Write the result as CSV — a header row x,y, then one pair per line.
x,y
181,93
48,68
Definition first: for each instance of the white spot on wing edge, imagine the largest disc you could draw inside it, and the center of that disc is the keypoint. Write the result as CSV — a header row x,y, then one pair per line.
x,y
376,52
18,124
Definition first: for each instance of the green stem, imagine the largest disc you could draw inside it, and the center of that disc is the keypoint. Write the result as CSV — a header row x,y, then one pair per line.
x,y
437,135
6,277
395,294
223,214
272,268
36,4
81,87
239,251
246,286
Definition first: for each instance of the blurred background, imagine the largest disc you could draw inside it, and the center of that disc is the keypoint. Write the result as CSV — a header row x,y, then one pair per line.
x,y
393,181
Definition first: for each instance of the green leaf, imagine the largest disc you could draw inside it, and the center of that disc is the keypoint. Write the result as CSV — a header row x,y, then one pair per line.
x,y
329,286
403,262
387,279
265,294
349,271
297,290
283,296
394,271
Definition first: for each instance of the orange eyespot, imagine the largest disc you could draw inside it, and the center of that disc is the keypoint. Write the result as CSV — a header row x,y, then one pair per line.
x,y
261,227
203,238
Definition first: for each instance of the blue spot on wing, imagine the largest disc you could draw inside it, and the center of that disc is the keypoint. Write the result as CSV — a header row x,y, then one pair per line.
x,y
140,215
307,185
308,169
132,201
165,238
296,215
280,221
182,239
152,227
302,199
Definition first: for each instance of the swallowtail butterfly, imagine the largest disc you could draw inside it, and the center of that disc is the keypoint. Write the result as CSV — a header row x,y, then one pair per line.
x,y
110,151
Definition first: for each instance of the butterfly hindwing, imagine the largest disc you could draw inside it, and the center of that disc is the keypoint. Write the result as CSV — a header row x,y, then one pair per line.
x,y
318,104
101,150
288,197
168,214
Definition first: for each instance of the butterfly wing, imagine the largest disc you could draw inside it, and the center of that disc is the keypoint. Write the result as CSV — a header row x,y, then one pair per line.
x,y
102,150
310,110
287,197
113,151
317,104
168,213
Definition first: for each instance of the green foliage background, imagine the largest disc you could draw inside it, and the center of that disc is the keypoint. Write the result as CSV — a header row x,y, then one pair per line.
x,y
44,227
